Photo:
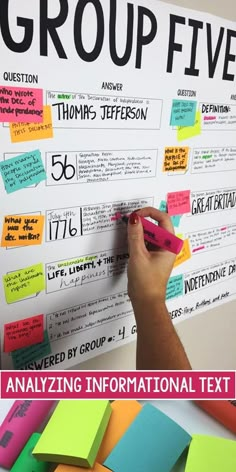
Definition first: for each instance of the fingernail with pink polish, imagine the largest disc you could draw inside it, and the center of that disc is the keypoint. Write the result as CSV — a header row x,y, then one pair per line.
x,y
134,218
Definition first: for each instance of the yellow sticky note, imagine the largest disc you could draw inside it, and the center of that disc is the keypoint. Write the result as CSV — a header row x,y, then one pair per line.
x,y
175,159
21,132
184,255
209,453
180,235
186,132
22,230
23,283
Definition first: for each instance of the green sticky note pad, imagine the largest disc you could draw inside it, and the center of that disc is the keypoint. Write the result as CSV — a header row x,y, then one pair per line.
x,y
23,283
74,433
26,461
209,453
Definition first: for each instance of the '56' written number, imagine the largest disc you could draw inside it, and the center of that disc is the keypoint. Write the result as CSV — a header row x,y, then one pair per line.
x,y
64,170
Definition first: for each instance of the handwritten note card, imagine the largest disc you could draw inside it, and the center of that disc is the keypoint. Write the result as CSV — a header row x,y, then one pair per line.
x,y
187,132
22,230
175,287
23,283
209,453
21,132
176,159
178,203
23,333
184,255
23,170
183,112
18,104
22,357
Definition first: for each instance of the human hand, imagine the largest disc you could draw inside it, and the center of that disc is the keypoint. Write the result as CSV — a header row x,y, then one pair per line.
x,y
148,271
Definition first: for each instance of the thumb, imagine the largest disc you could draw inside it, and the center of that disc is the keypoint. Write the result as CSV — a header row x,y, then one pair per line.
x,y
135,235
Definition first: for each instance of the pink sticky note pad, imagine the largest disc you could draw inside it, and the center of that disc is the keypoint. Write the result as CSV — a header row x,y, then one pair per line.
x,y
23,333
21,105
178,203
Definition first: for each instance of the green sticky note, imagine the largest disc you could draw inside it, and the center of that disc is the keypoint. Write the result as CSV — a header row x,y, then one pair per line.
x,y
187,132
74,433
176,220
22,171
163,206
175,287
209,453
23,283
22,357
26,461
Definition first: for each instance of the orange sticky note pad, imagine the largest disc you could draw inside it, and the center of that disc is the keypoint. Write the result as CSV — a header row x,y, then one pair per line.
x,y
123,414
70,468
184,255
21,132
23,333
22,230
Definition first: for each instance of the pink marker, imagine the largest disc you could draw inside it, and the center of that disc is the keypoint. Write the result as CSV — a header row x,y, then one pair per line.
x,y
159,236
23,419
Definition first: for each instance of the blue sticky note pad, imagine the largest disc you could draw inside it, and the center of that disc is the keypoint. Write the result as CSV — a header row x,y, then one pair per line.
x,y
163,206
175,287
22,357
176,220
183,113
22,171
153,442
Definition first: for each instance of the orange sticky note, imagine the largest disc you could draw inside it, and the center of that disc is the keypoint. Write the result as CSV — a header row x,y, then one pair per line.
x,y
175,159
22,230
184,255
123,414
70,468
21,132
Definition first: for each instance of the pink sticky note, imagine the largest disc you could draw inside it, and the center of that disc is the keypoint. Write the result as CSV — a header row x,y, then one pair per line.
x,y
21,105
23,333
178,203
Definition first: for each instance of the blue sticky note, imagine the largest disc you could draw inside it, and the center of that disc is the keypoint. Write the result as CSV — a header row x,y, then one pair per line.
x,y
176,220
152,442
163,206
22,357
183,113
175,287
22,171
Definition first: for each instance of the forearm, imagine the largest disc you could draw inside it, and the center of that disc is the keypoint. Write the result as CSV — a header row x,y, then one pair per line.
x,y
158,345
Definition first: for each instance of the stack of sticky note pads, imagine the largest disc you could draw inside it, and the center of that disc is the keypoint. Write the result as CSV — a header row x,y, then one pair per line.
x,y
123,436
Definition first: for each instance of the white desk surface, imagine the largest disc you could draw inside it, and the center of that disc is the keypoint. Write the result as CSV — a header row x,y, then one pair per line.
x,y
185,413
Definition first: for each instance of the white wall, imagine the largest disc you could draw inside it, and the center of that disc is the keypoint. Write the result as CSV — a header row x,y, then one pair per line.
x,y
209,338
224,8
